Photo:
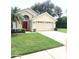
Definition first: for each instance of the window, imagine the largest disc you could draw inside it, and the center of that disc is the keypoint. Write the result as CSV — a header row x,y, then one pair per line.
x,y
26,17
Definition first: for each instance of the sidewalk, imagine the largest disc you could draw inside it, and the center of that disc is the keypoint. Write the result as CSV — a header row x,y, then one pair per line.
x,y
56,53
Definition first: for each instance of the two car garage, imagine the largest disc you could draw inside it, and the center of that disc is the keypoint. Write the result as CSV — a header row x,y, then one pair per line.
x,y
44,26
43,22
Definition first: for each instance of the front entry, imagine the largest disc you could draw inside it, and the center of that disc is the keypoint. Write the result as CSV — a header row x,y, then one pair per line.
x,y
25,25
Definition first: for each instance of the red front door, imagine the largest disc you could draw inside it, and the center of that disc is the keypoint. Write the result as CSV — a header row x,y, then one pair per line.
x,y
25,25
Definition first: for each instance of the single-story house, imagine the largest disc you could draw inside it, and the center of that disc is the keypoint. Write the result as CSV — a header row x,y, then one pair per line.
x,y
36,22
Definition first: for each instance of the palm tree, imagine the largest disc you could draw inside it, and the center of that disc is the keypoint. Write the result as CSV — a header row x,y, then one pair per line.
x,y
15,16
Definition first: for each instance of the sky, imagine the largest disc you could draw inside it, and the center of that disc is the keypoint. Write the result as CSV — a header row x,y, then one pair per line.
x,y
28,3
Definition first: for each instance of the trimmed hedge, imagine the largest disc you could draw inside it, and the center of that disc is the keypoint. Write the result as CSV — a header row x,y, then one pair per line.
x,y
61,23
17,30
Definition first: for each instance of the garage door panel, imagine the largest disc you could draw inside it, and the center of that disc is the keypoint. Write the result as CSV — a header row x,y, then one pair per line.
x,y
44,26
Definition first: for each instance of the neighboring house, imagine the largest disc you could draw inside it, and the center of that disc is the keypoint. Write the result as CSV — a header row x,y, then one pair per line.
x,y
37,22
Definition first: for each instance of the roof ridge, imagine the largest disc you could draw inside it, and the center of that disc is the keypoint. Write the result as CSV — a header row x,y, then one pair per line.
x,y
30,10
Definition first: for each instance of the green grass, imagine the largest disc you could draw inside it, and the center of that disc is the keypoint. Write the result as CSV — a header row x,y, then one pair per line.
x,y
31,42
62,30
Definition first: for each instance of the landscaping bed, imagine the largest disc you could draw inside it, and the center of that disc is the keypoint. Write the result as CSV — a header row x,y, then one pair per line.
x,y
26,43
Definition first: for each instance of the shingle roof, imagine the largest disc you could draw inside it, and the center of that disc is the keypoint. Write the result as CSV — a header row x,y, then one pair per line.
x,y
44,15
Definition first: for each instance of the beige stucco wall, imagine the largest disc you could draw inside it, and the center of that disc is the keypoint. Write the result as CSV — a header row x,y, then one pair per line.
x,y
19,25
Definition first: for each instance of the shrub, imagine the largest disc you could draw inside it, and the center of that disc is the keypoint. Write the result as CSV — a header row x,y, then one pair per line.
x,y
17,30
23,30
62,22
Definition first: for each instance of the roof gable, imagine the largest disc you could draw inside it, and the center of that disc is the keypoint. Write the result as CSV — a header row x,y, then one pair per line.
x,y
30,11
44,17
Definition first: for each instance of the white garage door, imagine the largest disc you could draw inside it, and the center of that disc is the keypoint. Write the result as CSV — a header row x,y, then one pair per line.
x,y
44,26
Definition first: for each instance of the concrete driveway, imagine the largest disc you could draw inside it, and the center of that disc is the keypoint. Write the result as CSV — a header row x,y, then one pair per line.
x,y
58,53
58,36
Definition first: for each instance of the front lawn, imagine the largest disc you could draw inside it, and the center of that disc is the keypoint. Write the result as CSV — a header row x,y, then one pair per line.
x,y
31,42
62,30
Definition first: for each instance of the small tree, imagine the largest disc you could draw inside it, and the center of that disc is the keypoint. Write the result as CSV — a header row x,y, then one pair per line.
x,y
15,15
62,22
